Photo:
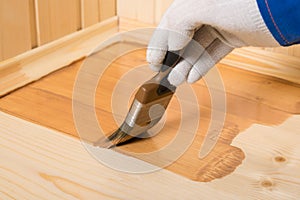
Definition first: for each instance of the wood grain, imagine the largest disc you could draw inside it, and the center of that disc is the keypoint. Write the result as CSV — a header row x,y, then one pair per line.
x,y
34,64
296,50
33,24
149,11
146,11
127,24
57,18
1,53
39,163
160,9
127,8
107,9
292,51
89,12
282,66
251,98
15,29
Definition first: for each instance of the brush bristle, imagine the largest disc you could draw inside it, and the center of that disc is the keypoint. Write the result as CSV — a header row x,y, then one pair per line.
x,y
116,138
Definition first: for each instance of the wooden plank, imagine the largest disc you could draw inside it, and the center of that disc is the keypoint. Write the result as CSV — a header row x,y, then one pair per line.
x,y
107,9
160,7
149,11
292,50
269,171
129,24
41,163
281,50
142,11
282,66
58,18
146,11
127,8
37,63
15,27
251,98
1,54
33,24
89,12
296,51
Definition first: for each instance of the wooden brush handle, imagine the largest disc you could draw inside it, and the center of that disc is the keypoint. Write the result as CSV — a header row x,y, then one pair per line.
x,y
159,87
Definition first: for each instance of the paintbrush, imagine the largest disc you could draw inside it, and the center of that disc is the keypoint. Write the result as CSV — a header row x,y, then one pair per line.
x,y
148,107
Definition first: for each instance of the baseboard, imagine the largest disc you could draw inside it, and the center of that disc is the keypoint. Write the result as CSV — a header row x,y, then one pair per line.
x,y
34,64
265,62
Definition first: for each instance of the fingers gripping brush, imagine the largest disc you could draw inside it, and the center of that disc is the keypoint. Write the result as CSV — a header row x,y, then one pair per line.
x,y
148,107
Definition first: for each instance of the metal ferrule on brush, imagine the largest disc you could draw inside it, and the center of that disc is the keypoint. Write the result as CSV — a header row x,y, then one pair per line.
x,y
142,117
149,105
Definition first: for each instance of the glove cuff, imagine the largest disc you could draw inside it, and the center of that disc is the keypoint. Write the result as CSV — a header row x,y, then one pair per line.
x,y
261,35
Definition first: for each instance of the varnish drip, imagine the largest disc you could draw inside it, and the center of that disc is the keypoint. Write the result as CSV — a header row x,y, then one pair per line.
x,y
220,165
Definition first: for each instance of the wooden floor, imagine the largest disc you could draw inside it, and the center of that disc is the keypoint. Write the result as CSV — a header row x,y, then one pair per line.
x,y
251,99
257,155
39,163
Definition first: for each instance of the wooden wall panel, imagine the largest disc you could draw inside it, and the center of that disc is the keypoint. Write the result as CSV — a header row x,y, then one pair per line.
x,y
146,11
57,18
161,6
282,50
143,11
151,12
89,12
27,24
33,22
35,64
292,51
14,27
107,9
296,50
1,46
127,8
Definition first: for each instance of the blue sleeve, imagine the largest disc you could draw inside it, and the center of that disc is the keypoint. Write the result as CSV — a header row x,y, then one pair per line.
x,y
282,17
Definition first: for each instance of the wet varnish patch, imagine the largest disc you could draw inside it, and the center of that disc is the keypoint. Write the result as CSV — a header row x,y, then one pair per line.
x,y
251,99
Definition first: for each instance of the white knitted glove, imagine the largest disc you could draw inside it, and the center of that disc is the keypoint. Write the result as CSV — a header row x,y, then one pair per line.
x,y
218,26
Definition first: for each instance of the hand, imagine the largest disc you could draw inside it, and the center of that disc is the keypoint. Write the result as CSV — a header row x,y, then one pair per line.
x,y
218,26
